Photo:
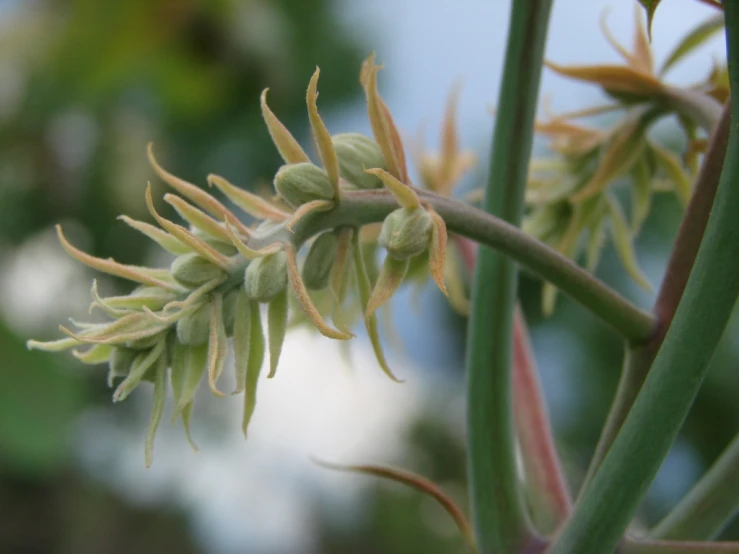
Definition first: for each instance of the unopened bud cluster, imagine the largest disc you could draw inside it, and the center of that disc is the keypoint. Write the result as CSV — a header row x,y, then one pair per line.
x,y
174,329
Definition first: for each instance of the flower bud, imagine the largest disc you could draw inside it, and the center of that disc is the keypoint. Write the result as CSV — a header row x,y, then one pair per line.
x,y
225,248
266,277
144,343
120,363
192,270
302,183
319,261
406,233
193,329
356,153
229,310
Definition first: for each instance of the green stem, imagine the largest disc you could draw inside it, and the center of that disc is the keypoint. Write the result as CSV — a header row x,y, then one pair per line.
x,y
639,357
363,207
609,504
709,505
500,519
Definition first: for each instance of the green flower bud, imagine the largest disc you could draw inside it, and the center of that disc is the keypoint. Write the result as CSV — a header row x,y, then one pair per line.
x,y
266,277
229,310
120,362
319,261
302,183
192,270
357,152
406,233
225,248
193,329
144,343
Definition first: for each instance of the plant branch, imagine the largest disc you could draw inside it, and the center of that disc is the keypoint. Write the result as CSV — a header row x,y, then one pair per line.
x,y
639,357
678,547
608,505
710,504
550,496
500,518
363,207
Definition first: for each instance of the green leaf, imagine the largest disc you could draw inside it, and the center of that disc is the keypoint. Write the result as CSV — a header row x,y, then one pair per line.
x,y
641,193
241,337
364,287
195,364
693,40
276,327
622,240
254,364
160,396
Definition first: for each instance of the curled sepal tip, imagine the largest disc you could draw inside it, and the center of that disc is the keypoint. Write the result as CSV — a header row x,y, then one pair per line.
x,y
308,208
391,276
250,253
163,239
437,252
185,236
383,127
301,293
370,322
160,396
286,144
251,203
111,267
58,345
417,482
197,218
276,328
195,194
404,194
322,136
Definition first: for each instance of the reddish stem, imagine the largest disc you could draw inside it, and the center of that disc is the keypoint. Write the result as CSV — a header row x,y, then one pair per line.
x,y
533,429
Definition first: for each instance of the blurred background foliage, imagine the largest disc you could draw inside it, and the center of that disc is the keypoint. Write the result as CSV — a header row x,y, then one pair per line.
x,y
84,85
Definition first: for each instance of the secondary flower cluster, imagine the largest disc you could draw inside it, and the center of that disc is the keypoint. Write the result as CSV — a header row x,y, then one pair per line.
x,y
173,329
570,197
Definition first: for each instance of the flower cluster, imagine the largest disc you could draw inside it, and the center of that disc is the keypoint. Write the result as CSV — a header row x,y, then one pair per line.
x,y
174,328
570,199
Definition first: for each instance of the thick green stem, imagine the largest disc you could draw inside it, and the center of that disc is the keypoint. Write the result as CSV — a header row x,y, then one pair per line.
x,y
639,357
360,208
609,504
709,505
499,516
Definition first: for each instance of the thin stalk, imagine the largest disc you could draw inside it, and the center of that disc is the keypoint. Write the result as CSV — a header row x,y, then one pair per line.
x,y
678,547
608,505
710,504
549,495
639,357
499,515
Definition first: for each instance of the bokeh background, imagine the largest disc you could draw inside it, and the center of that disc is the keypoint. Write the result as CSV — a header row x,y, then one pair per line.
x,y
85,84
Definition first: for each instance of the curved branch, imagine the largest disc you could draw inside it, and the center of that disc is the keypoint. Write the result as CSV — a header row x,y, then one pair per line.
x,y
363,207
